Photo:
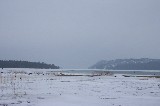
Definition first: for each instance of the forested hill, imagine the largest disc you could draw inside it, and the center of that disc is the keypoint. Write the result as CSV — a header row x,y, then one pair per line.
x,y
26,64
128,64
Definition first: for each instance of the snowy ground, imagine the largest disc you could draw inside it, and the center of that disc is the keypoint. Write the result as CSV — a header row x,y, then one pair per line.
x,y
46,89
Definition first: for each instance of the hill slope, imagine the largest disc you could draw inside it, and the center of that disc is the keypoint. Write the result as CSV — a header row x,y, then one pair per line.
x,y
128,64
26,64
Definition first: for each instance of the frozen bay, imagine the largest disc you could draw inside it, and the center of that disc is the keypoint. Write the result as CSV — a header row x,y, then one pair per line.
x,y
34,87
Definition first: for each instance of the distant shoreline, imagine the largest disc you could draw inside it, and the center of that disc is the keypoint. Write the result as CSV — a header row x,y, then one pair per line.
x,y
26,64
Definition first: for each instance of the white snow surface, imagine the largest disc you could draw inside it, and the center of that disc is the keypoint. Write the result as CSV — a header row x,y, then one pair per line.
x,y
46,89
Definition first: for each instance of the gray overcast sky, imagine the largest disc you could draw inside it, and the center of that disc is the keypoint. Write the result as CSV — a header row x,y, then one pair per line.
x,y
78,33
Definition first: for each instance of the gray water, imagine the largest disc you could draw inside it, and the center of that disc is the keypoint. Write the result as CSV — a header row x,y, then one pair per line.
x,y
87,71
132,72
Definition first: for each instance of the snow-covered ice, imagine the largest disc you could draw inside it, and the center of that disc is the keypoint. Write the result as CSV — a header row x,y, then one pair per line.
x,y
21,88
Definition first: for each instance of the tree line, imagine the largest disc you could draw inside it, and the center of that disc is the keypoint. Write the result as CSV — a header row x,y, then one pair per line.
x,y
26,64
128,64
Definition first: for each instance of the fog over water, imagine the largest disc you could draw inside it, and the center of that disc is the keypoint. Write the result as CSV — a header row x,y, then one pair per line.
x,y
78,33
